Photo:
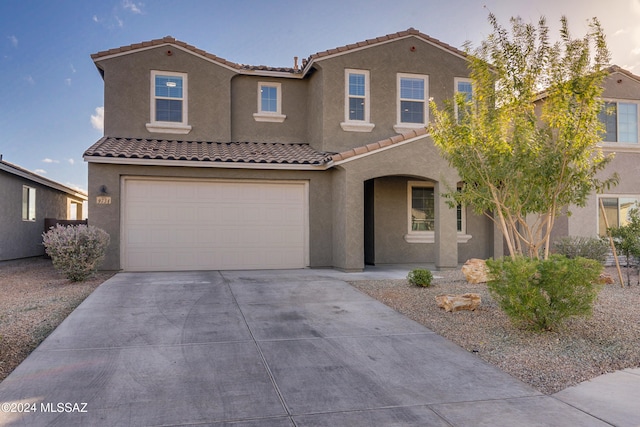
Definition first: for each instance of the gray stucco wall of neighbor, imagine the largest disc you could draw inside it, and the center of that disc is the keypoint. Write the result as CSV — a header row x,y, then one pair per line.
x,y
18,238
127,92
107,217
384,62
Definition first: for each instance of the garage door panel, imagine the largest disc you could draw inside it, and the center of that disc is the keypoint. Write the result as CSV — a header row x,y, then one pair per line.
x,y
187,225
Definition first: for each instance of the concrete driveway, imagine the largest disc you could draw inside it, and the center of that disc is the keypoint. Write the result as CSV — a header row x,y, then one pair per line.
x,y
260,348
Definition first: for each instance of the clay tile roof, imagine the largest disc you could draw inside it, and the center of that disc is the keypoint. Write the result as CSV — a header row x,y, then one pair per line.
x,y
224,152
381,39
370,148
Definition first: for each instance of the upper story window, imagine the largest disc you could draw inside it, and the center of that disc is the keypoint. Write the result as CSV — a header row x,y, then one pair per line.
x,y
169,106
357,117
412,102
28,203
463,86
621,122
269,103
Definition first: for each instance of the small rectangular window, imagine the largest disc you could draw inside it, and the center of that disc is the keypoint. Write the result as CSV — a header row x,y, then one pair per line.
x,y
463,86
28,203
269,103
422,209
357,115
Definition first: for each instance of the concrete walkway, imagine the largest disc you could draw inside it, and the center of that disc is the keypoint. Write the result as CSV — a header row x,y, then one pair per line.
x,y
274,348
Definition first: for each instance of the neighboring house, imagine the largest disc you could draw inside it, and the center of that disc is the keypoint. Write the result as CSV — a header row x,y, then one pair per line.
x,y
27,199
209,164
621,93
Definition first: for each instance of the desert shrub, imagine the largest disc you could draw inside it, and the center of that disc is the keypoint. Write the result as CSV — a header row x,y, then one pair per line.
x,y
76,250
585,247
420,277
541,294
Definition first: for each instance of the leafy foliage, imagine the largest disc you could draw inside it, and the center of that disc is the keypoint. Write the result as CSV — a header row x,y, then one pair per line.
x,y
420,277
76,250
585,247
525,156
541,294
626,238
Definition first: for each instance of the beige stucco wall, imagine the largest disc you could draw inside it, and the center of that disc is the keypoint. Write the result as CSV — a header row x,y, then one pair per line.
x,y
384,62
107,217
127,81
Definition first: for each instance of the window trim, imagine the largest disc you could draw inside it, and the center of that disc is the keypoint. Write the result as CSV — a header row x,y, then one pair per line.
x,y
617,143
456,91
169,127
636,197
402,127
357,125
270,116
29,203
414,236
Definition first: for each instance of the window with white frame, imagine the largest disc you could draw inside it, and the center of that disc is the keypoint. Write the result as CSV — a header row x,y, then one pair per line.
x,y
412,102
616,209
357,115
620,120
169,106
422,214
463,86
269,103
28,203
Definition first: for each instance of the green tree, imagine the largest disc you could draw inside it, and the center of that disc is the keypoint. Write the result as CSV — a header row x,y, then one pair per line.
x,y
626,238
524,154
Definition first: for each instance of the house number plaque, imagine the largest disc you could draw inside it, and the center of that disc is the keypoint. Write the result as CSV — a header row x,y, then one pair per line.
x,y
103,200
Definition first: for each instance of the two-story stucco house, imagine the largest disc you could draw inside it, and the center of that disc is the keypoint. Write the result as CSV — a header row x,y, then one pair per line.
x,y
27,200
209,164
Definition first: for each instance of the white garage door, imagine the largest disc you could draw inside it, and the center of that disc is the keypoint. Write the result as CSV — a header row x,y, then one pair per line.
x,y
213,225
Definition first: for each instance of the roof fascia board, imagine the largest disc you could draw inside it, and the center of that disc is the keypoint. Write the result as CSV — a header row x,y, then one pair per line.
x,y
380,150
23,173
203,164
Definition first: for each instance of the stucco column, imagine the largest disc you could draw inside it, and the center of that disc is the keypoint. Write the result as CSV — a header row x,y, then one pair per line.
x,y
446,231
348,222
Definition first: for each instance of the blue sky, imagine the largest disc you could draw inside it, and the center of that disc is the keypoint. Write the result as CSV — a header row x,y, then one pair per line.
x,y
52,93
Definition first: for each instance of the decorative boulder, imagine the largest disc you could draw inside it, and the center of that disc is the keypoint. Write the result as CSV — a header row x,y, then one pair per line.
x,y
606,279
458,302
475,271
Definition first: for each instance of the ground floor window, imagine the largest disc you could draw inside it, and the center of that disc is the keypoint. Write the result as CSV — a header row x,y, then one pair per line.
x,y
616,210
28,203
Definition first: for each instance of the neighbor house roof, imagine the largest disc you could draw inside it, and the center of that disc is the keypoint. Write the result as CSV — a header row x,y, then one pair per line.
x,y
34,177
241,153
257,69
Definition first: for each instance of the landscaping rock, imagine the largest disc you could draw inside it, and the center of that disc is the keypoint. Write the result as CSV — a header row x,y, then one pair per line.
x,y
459,302
475,271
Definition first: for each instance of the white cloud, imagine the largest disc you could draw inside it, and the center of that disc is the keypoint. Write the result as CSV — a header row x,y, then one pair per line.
x,y
95,18
621,31
30,80
40,171
67,82
48,160
13,40
73,69
133,7
71,161
120,22
97,120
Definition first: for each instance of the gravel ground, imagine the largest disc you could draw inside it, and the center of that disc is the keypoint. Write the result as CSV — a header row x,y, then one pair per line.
x,y
584,348
34,300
